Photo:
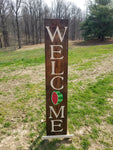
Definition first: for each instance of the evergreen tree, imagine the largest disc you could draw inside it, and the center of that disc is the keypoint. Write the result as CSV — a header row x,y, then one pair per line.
x,y
99,22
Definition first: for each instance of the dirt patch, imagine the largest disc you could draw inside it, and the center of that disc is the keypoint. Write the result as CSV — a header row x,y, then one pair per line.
x,y
82,131
96,146
105,136
110,100
35,75
8,96
31,47
104,67
106,128
17,139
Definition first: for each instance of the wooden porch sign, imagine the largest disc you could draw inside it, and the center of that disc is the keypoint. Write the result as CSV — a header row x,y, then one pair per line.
x,y
56,56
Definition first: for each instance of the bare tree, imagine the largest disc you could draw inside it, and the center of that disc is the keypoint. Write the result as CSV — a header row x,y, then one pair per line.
x,y
67,10
46,11
26,18
75,20
57,9
5,9
60,9
16,8
0,41
36,12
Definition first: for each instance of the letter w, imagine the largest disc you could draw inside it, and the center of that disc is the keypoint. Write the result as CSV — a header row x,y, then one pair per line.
x,y
56,31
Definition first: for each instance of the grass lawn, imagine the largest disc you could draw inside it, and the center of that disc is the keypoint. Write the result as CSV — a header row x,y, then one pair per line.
x,y
90,99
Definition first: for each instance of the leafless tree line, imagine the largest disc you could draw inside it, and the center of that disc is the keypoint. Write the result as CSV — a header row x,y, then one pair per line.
x,y
22,22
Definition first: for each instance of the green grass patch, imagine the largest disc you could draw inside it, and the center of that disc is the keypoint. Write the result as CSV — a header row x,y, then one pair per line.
x,y
95,133
85,65
70,147
24,58
32,134
78,54
16,77
88,104
7,124
85,143
1,120
110,119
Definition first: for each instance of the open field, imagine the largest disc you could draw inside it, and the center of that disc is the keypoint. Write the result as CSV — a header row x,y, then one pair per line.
x,y
90,99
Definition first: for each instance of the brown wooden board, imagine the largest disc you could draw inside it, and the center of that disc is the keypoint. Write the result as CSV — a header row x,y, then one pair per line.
x,y
56,56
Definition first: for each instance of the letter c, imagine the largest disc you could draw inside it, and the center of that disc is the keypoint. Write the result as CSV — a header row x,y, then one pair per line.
x,y
51,83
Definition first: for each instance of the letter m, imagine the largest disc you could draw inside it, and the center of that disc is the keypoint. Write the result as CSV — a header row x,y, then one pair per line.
x,y
61,37
56,114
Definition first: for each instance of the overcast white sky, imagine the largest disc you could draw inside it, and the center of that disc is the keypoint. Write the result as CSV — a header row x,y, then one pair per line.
x,y
79,3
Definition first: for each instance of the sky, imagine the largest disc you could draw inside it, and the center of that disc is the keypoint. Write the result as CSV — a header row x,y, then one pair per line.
x,y
79,3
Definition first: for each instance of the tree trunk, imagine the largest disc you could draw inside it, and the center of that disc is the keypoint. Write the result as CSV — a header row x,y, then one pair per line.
x,y
4,32
36,28
18,32
0,42
102,38
40,35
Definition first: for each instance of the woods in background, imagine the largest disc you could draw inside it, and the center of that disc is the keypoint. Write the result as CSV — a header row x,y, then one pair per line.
x,y
21,22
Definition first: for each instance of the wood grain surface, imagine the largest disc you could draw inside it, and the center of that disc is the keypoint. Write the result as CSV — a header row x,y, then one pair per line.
x,y
56,125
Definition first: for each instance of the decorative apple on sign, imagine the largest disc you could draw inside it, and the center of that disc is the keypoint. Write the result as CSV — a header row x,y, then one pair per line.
x,y
56,97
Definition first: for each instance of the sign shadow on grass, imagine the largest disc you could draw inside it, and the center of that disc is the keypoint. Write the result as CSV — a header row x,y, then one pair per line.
x,y
48,144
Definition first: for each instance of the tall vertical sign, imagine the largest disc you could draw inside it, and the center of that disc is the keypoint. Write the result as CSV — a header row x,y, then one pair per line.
x,y
56,54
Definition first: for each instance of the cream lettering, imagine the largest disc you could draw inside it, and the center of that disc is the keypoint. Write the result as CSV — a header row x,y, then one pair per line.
x,y
53,69
51,83
57,114
56,31
54,123
52,52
